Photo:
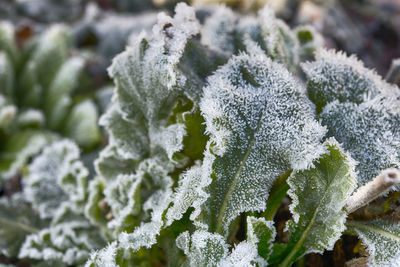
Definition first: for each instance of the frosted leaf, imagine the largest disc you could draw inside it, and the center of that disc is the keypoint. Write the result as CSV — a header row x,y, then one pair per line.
x,y
94,211
189,193
318,197
220,31
7,116
335,76
17,220
145,235
261,125
261,234
243,254
50,53
68,242
56,176
19,148
280,42
82,126
203,248
104,257
147,74
111,163
123,197
382,240
369,131
57,99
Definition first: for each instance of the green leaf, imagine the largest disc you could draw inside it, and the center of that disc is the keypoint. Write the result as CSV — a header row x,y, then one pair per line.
x,y
6,76
19,148
261,234
310,41
334,76
261,125
50,53
17,220
56,176
318,197
7,40
382,240
369,131
81,124
57,97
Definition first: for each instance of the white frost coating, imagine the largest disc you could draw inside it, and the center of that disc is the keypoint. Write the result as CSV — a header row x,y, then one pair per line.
x,y
243,254
369,131
261,124
104,257
122,195
318,197
218,31
382,240
189,193
146,234
128,137
55,176
336,76
61,242
280,42
206,249
210,249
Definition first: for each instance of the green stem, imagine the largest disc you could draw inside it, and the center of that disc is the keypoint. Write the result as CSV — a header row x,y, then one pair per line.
x,y
278,192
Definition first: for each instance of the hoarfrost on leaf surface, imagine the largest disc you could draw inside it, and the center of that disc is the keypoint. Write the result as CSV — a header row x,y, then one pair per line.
x,y
369,131
335,76
318,196
382,240
261,125
56,176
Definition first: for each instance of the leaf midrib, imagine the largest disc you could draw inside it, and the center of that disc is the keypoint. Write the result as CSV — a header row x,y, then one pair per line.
x,y
287,261
235,179
373,229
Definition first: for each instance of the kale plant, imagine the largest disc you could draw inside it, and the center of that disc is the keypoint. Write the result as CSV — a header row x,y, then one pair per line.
x,y
211,126
37,105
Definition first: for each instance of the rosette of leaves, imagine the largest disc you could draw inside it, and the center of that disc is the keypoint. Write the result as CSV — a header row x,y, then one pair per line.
x,y
45,222
198,136
37,82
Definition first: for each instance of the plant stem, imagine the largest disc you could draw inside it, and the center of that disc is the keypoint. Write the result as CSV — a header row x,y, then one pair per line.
x,y
278,192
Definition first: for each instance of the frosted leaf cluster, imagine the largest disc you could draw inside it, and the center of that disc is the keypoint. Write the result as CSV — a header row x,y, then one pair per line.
x,y
56,187
213,122
37,83
318,197
359,109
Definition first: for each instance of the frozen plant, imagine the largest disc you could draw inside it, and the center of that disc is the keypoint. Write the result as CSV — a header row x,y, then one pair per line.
x,y
211,126
37,104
